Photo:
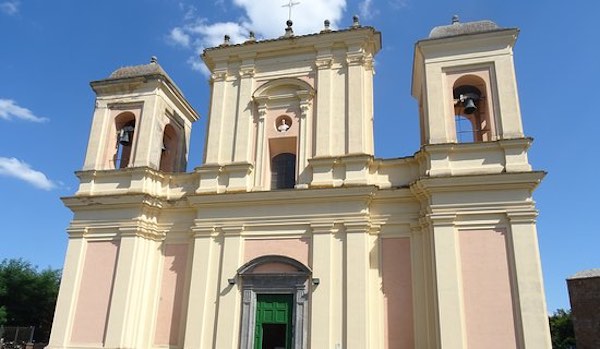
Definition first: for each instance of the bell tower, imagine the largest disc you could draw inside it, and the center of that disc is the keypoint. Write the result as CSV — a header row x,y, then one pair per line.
x,y
464,81
141,119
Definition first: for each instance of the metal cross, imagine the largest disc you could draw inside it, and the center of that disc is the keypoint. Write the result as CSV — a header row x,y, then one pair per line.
x,y
291,4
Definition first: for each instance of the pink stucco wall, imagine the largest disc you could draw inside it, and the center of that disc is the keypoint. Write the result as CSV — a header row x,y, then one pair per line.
x,y
397,292
293,248
91,314
486,289
170,307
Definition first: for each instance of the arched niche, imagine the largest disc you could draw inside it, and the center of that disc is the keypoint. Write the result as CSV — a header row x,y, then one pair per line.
x,y
274,274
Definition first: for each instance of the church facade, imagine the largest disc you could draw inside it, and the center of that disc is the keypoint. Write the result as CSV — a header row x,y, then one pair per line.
x,y
292,234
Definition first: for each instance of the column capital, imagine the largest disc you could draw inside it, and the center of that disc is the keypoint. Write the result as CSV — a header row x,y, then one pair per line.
x,y
204,231
354,59
143,231
323,63
218,76
247,72
441,219
522,217
322,228
362,227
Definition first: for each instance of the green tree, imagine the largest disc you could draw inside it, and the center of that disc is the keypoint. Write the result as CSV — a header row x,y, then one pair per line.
x,y
28,296
561,330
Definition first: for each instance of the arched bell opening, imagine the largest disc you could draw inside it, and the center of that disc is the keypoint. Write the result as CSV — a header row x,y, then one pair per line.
x,y
125,126
471,110
171,150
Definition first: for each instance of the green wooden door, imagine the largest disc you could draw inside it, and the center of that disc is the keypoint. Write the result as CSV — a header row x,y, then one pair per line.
x,y
273,321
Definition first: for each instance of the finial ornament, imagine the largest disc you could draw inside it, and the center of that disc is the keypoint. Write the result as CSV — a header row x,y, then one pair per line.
x,y
153,59
355,22
251,37
326,25
226,40
455,19
289,32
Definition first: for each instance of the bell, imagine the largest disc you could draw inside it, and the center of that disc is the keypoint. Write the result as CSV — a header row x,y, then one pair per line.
x,y
470,106
125,135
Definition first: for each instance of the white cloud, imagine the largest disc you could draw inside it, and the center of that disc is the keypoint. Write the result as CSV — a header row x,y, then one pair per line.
x,y
179,37
9,110
398,4
266,18
366,9
12,167
10,7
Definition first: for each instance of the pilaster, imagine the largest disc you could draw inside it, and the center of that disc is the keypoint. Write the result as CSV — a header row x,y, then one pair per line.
x,y
355,141
305,140
324,107
146,134
203,299
322,296
448,281
137,261
532,329
216,120
96,152
260,146
508,98
229,305
69,289
358,326
243,140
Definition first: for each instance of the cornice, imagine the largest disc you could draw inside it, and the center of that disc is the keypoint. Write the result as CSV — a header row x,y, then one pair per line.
x,y
367,36
515,180
283,196
109,201
524,142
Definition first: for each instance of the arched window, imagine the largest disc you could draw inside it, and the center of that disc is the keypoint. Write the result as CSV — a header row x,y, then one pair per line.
x,y
125,125
283,171
473,119
169,151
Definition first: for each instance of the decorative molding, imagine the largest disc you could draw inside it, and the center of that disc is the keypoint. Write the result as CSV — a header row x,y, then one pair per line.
x,y
247,72
323,63
354,59
218,76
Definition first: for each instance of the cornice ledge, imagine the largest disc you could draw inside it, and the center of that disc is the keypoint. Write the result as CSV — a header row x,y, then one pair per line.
x,y
120,172
525,180
127,199
453,146
278,196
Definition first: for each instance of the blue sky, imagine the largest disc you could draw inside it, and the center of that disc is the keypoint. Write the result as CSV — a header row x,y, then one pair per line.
x,y
50,50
